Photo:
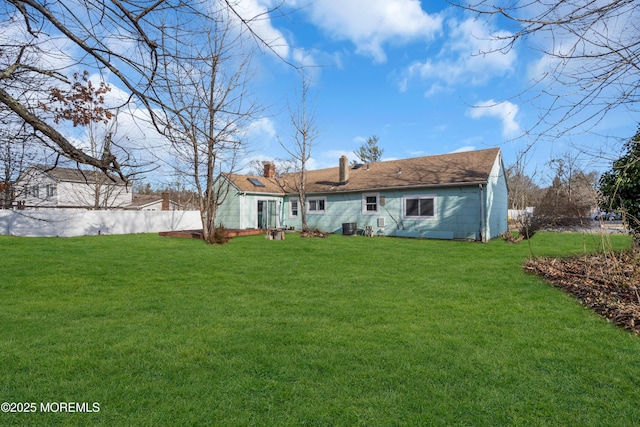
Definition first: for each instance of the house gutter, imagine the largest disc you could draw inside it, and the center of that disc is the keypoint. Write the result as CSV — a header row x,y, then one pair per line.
x,y
400,188
482,216
257,193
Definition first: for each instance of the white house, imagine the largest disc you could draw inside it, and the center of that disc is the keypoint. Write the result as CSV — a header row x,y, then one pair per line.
x,y
47,187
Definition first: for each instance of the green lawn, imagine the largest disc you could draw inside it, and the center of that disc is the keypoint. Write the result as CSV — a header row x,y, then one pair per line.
x,y
339,331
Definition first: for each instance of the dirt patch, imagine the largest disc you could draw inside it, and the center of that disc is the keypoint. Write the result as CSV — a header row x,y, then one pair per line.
x,y
313,233
198,234
607,283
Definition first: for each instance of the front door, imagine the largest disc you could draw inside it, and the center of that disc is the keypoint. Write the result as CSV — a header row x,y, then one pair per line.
x,y
266,214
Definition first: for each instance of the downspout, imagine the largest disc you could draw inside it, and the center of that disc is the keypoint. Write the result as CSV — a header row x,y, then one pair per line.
x,y
241,222
482,213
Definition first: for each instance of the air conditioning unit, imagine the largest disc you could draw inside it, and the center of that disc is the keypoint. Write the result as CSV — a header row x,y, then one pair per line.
x,y
381,222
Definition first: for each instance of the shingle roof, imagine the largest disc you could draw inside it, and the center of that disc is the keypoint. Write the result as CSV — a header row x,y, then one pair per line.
x,y
138,200
244,184
472,167
144,199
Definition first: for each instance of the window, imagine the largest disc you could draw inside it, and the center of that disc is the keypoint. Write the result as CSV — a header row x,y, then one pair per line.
x,y
293,208
256,182
34,191
370,203
316,205
419,207
51,190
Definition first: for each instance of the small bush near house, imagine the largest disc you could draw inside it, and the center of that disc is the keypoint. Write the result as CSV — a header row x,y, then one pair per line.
x,y
220,235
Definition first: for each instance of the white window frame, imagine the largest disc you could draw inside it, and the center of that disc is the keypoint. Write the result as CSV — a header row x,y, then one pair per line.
x,y
316,211
419,197
34,191
291,202
364,203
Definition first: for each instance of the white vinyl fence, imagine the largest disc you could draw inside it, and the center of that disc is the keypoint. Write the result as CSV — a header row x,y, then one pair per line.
x,y
515,214
76,222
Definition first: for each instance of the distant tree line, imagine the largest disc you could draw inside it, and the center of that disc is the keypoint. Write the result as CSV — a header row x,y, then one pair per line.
x,y
574,194
177,192
567,201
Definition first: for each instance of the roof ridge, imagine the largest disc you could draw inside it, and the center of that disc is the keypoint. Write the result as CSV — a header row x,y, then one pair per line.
x,y
75,174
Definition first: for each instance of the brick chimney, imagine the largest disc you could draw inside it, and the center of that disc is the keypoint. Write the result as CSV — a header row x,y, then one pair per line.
x,y
344,170
269,170
165,200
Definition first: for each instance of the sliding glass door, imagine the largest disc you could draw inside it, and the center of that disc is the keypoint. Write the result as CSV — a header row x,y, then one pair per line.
x,y
267,214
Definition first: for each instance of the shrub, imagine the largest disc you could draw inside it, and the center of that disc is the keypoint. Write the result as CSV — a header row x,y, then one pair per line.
x,y
220,235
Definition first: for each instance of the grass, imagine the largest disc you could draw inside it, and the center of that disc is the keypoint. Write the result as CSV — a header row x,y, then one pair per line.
x,y
337,331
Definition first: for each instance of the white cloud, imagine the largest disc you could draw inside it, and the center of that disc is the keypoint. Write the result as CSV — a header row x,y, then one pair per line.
x,y
504,111
415,153
369,24
304,58
45,52
470,55
261,136
313,164
262,128
255,12
434,89
331,158
464,149
403,84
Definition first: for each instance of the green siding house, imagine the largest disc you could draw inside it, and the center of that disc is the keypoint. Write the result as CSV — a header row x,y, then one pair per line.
x,y
450,196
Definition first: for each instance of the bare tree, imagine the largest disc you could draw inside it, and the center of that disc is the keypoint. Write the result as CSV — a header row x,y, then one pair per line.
x,y
571,195
42,41
523,191
208,108
15,153
98,136
304,133
591,51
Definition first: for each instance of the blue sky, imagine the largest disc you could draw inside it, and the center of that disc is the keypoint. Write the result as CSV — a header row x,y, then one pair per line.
x,y
414,74
425,77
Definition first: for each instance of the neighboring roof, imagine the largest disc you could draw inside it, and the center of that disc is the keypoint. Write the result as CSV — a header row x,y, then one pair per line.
x,y
141,200
78,175
144,199
466,168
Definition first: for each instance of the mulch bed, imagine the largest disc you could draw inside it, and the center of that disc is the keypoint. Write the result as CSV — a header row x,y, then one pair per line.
x,y
607,283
